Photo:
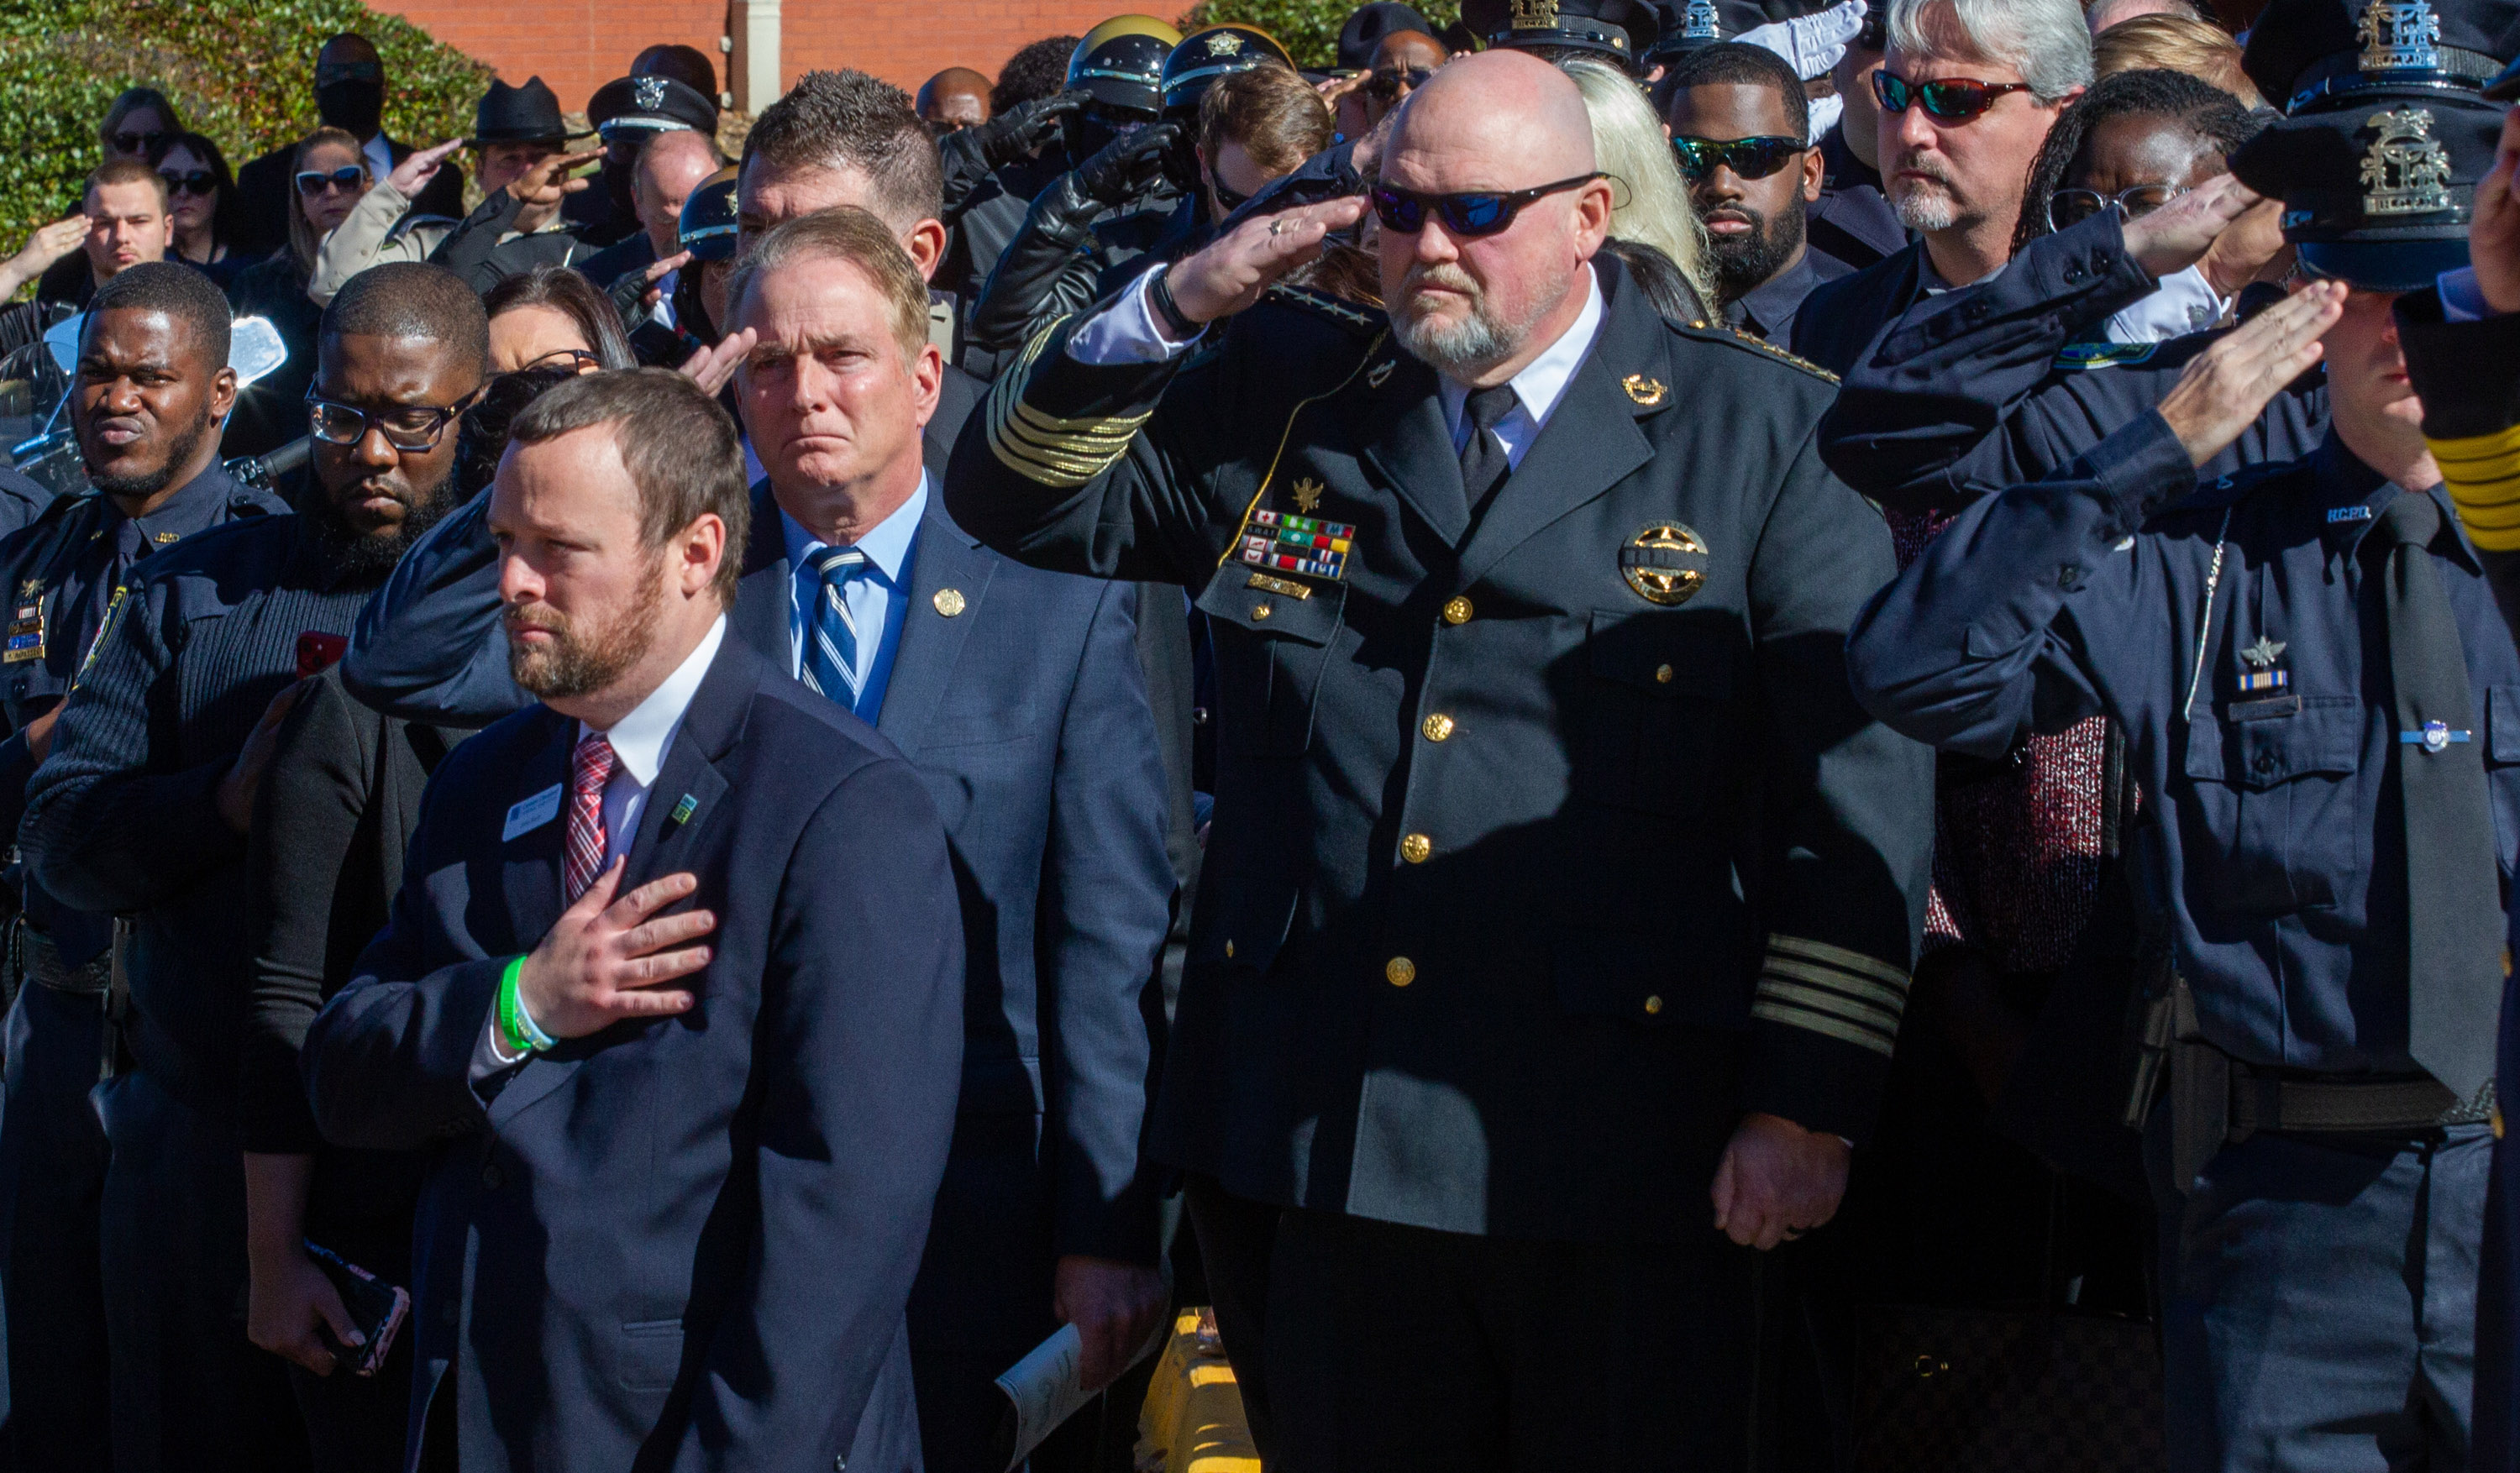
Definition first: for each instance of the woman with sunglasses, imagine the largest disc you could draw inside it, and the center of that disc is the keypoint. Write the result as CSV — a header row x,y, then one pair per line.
x,y
200,201
329,175
139,124
552,317
2127,146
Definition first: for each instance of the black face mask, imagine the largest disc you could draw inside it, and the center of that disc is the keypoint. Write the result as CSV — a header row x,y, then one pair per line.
x,y
355,106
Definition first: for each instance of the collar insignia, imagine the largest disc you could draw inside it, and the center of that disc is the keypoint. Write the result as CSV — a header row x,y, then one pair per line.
x,y
2400,35
1646,391
1534,15
32,588
1308,496
2405,171
2264,653
648,92
1380,373
1701,23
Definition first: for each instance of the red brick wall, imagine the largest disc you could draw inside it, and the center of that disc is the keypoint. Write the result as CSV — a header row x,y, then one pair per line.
x,y
578,45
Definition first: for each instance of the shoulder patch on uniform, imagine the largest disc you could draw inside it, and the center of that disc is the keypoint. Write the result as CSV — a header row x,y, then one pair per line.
x,y
1716,332
2083,357
1346,314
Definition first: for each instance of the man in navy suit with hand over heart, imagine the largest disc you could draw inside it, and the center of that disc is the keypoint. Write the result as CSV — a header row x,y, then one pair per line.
x,y
673,987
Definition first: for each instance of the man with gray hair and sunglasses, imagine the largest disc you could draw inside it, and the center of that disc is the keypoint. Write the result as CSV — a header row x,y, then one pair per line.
x,y
1559,904
1967,91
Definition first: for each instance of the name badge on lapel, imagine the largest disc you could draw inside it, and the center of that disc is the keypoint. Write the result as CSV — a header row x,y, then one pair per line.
x,y
532,814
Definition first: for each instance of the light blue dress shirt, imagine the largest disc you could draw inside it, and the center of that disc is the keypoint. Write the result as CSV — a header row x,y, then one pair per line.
x,y
878,597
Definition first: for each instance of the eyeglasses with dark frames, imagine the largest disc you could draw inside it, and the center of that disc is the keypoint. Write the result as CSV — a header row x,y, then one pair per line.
x,y
192,182
405,426
2072,206
1949,100
1470,214
151,144
1747,158
1228,201
349,178
576,360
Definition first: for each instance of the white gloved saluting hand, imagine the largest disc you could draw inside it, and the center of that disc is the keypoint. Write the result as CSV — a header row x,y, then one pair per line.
x,y
1811,44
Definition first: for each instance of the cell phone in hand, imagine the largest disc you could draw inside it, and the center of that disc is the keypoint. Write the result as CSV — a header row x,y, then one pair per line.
x,y
376,1307
318,652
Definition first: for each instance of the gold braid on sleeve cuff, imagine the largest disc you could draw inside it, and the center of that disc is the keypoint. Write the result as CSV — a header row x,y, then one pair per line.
x,y
1831,991
1044,449
2484,475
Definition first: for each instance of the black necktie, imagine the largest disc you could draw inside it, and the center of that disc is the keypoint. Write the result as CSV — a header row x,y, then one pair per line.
x,y
2455,923
1483,460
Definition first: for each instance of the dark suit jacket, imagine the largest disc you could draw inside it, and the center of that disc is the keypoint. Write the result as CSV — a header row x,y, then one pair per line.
x,y
1843,318
1027,713
684,1243
1527,876
263,186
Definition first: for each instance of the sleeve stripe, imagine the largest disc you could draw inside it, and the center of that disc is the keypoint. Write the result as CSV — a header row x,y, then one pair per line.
x,y
2484,475
1822,1025
1822,999
1840,958
1044,449
1785,973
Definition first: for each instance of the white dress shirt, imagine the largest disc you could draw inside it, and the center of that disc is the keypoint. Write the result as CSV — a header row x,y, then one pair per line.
x,y
1128,333
379,156
641,739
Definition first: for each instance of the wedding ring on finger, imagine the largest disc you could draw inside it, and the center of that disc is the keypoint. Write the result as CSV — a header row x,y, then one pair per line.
x,y
1275,226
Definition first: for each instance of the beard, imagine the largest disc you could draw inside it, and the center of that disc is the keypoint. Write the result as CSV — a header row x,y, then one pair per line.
x,y
1457,349
367,556
582,661
1745,262
143,485
1926,205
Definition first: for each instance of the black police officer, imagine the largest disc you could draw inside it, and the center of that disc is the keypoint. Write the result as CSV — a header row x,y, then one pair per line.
x,y
1555,887
151,385
2310,671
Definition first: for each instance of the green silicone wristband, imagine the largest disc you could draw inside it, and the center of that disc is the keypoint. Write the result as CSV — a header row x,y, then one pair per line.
x,y
517,1027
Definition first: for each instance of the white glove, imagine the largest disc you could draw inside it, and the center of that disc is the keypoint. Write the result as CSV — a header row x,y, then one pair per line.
x,y
1810,44
1825,112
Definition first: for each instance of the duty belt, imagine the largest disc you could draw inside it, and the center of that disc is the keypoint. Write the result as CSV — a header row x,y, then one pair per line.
x,y
2269,1102
44,967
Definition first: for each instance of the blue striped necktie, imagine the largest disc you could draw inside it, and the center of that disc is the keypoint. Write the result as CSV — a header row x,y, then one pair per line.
x,y
830,662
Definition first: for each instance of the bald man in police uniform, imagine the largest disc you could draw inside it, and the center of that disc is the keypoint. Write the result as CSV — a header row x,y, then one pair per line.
x,y
1559,903
2315,682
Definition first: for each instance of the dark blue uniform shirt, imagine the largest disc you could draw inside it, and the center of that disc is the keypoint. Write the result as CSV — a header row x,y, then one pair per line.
x,y
2274,844
65,568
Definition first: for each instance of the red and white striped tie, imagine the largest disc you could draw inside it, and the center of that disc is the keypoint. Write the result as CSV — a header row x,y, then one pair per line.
x,y
589,771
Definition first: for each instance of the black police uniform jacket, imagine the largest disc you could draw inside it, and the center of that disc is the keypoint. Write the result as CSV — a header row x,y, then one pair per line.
x,y
1542,849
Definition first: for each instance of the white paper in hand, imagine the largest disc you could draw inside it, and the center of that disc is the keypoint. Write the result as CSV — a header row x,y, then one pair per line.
x,y
1043,1390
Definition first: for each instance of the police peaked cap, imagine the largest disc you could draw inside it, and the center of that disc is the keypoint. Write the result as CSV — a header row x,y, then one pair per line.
x,y
1121,62
1689,24
2303,52
708,226
2377,192
1620,31
1216,51
650,105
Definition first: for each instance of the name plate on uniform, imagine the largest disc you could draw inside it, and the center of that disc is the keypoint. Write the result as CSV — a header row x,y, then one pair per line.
x,y
532,814
1283,543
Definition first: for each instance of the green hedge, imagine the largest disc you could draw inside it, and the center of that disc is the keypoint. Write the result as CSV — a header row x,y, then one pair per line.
x,y
242,71
1309,29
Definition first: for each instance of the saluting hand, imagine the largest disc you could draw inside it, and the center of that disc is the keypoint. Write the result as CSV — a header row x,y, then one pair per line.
x,y
413,174
1778,1181
711,366
2225,388
2494,236
605,961
2178,235
1231,272
544,186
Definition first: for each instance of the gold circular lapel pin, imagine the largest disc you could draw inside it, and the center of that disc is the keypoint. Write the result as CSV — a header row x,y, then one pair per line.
x,y
949,602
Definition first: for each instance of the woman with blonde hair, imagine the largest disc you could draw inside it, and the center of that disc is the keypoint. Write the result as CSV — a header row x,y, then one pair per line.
x,y
1650,201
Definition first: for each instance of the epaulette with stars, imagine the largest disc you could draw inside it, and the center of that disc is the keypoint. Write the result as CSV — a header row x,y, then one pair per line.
x,y
1716,332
